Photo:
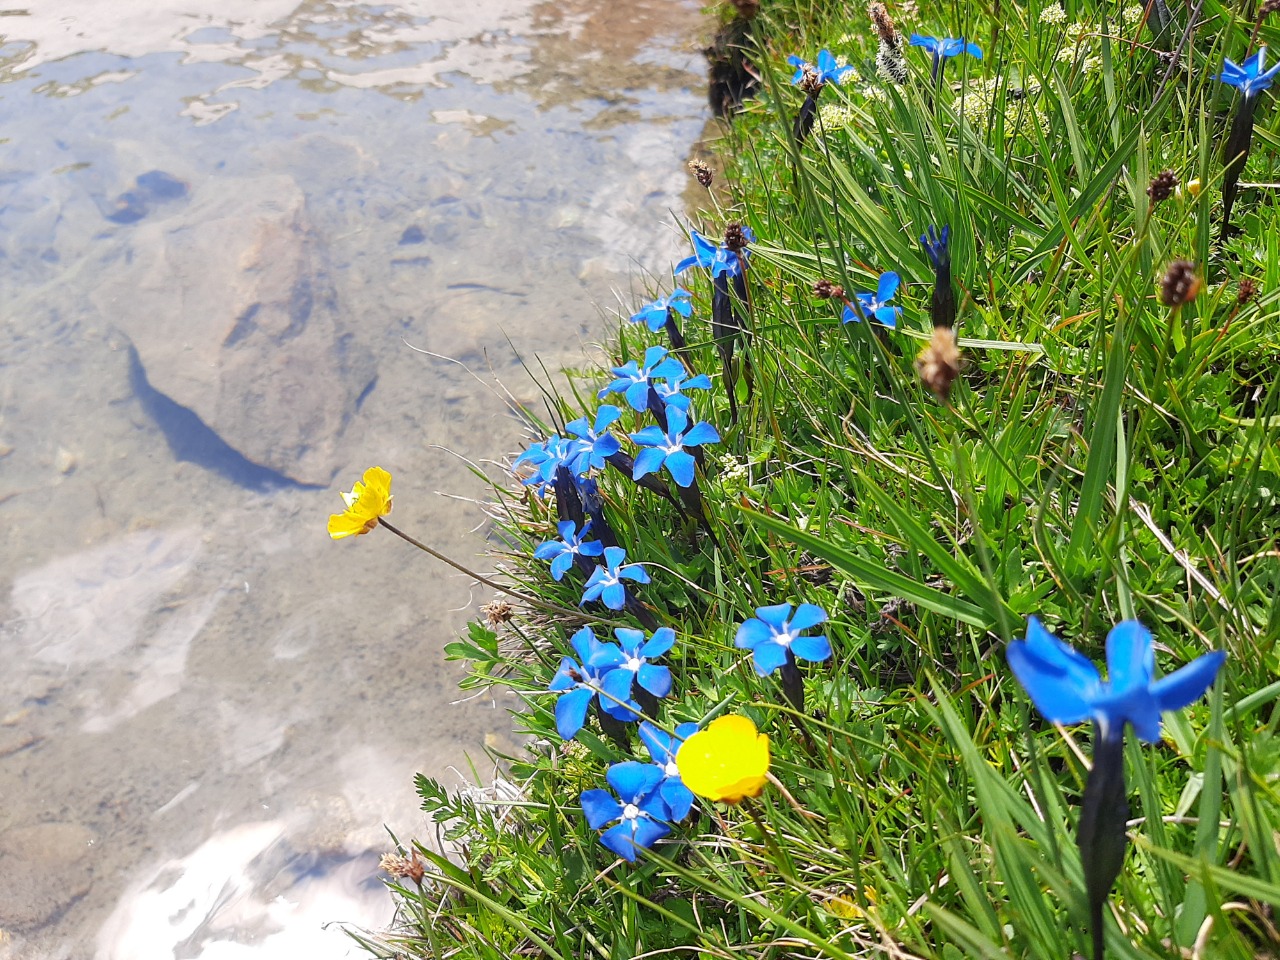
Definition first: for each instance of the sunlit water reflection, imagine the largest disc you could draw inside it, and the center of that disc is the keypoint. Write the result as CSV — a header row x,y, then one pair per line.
x,y
220,222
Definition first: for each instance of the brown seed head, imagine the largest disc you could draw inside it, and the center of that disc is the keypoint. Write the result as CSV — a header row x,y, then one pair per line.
x,y
734,238
701,172
884,24
1267,9
1247,289
809,83
1162,186
939,363
401,867
825,290
1180,284
497,613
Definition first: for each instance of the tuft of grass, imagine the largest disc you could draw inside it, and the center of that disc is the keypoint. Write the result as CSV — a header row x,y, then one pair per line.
x,y
1102,456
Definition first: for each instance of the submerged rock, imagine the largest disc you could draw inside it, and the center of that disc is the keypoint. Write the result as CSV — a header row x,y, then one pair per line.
x,y
233,317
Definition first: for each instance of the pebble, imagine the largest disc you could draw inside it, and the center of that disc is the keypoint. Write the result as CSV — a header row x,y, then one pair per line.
x,y
64,460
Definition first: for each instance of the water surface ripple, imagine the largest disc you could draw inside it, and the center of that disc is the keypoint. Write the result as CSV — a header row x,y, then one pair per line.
x,y
220,223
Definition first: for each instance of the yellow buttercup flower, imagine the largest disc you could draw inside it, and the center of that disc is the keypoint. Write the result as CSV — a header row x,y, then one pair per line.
x,y
727,761
368,500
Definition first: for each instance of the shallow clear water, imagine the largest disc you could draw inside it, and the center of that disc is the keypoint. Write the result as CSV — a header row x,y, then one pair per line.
x,y
222,222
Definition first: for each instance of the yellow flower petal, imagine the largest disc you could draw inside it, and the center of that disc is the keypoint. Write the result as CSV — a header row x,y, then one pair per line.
x,y
727,761
368,500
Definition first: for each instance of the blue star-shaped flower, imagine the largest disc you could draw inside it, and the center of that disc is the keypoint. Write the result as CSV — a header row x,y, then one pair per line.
x,y
1250,77
669,448
944,48
1066,687
594,674
877,304
633,379
663,747
571,544
597,443
605,583
545,457
670,393
774,630
720,259
639,816
826,70
655,314
638,652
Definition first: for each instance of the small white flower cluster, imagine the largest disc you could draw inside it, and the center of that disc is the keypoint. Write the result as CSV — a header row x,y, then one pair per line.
x,y
835,116
981,95
1131,16
1053,15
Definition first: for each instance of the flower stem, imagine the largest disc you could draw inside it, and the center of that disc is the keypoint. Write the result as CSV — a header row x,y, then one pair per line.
x,y
519,595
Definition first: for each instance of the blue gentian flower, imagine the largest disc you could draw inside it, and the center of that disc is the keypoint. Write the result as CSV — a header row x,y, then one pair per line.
x,y
655,314
936,246
595,673
877,304
597,443
571,544
605,583
669,447
944,48
632,379
720,259
545,457
826,70
640,814
670,392
774,631
1066,687
638,652
663,747
1250,77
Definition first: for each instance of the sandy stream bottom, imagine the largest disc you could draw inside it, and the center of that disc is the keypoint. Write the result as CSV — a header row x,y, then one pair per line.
x,y
208,711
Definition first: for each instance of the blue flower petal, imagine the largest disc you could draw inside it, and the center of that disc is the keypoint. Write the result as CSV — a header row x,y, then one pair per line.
x,y
633,571
563,680
649,460
700,434
614,596
811,648
620,840
973,50
887,286
658,743
677,797
631,641
571,711
638,395
549,550
680,465
775,616
663,639
655,679
584,643
1187,684
600,806
592,548
1054,692
850,315
1131,656
888,315
752,633
1056,656
929,43
616,687
768,657
807,615
633,780
561,564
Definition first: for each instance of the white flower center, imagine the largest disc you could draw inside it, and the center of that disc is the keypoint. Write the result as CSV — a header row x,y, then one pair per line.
x,y
671,770
630,812
633,664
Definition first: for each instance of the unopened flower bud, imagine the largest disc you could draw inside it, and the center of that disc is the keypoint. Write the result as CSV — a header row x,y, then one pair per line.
x,y
1193,186
1247,289
1162,186
701,172
885,27
939,362
1180,284
1267,9
826,290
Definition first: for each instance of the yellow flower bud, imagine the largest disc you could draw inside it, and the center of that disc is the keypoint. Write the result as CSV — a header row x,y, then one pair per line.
x,y
727,761
1193,187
